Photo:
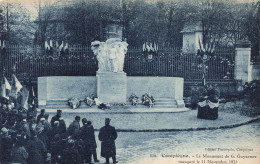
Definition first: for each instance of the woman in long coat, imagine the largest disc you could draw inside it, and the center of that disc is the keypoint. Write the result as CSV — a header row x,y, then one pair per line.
x,y
107,136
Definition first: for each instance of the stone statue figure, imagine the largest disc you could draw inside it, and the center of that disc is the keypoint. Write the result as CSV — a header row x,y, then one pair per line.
x,y
100,51
102,58
113,57
121,51
110,54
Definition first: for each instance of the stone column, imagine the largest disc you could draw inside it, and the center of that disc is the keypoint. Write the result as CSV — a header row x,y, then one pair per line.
x,y
242,61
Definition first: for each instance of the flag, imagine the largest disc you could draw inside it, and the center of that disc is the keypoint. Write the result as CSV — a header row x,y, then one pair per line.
x,y
3,89
203,80
3,46
61,46
66,47
151,47
147,47
25,105
7,85
33,94
45,45
57,44
51,44
17,85
24,98
33,103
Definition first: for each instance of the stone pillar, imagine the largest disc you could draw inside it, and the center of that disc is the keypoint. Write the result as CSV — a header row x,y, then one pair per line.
x,y
42,91
255,70
242,61
192,35
111,87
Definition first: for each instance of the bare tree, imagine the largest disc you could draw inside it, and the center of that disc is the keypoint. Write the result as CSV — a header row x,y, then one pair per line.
x,y
17,26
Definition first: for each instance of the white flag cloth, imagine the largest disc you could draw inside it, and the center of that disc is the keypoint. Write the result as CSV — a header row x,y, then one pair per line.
x,y
147,47
61,46
7,85
25,105
33,94
46,45
25,96
3,91
51,44
18,86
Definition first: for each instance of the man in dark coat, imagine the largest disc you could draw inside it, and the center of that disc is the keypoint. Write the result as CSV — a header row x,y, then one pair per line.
x,y
32,110
56,117
19,153
57,139
23,128
107,136
74,127
36,150
88,136
40,116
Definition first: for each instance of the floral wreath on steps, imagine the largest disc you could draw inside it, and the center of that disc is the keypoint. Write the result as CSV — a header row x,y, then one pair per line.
x,y
133,99
74,103
89,101
147,100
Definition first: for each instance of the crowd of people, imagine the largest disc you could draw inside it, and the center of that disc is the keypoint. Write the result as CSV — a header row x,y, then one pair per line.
x,y
30,138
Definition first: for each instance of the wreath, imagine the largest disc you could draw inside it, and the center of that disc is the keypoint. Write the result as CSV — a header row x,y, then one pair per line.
x,y
89,101
147,100
133,99
74,103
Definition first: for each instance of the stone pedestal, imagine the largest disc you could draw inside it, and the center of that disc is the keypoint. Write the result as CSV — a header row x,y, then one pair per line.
x,y
111,87
242,61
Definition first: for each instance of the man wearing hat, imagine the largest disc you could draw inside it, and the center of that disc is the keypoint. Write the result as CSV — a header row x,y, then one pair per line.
x,y
40,115
107,135
88,137
56,117
74,127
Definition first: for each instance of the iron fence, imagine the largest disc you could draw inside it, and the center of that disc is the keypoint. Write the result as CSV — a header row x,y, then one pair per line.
x,y
34,61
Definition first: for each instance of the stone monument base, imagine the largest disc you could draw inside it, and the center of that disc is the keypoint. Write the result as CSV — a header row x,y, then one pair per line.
x,y
111,87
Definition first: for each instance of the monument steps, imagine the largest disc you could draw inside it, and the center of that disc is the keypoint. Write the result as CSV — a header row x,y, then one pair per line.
x,y
159,103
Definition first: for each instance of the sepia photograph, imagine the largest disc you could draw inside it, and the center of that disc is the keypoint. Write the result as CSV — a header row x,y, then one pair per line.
x,y
130,81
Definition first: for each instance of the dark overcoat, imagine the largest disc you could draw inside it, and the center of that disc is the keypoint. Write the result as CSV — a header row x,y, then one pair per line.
x,y
88,137
24,128
70,156
6,147
107,136
73,128
36,150
54,118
